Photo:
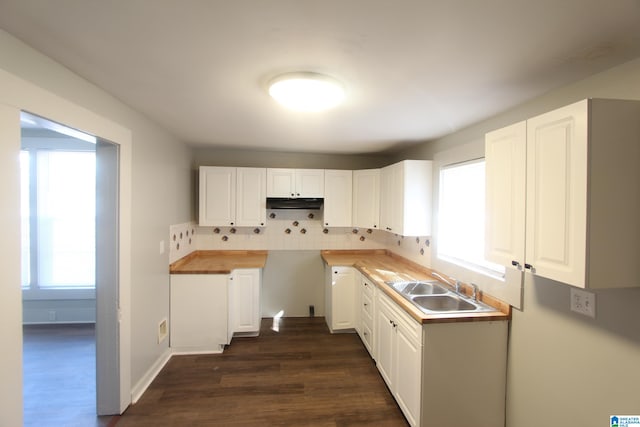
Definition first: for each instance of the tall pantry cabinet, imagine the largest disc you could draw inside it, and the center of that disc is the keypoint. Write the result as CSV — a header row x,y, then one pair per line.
x,y
579,194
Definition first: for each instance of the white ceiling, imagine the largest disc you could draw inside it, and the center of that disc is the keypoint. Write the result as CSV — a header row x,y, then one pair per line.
x,y
414,69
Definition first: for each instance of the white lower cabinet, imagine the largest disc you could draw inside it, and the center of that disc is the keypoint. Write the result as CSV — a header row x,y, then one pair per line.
x,y
451,374
199,312
244,302
340,298
399,355
365,321
208,309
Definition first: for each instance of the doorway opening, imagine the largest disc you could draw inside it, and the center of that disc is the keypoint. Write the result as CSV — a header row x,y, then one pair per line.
x,y
69,231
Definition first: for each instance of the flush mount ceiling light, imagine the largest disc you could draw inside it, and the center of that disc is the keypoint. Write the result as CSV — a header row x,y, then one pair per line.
x,y
306,91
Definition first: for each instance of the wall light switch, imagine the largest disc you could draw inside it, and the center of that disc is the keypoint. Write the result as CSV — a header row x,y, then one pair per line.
x,y
583,302
161,247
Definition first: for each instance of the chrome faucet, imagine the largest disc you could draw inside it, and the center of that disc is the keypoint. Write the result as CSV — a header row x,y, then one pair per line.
x,y
456,286
474,291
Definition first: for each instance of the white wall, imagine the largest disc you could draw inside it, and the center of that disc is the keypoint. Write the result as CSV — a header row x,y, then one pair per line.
x,y
566,369
10,293
160,193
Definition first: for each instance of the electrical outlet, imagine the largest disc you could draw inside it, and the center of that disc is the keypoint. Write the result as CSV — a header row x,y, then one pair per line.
x,y
583,302
163,330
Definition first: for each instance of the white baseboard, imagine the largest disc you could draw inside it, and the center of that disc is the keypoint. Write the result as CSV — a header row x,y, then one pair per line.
x,y
179,352
146,380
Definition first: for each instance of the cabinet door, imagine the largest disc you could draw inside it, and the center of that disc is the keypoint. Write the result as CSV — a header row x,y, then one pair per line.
x,y
251,207
557,194
505,170
281,182
309,183
366,198
217,196
407,373
387,198
343,292
414,180
384,341
396,198
337,198
199,311
245,306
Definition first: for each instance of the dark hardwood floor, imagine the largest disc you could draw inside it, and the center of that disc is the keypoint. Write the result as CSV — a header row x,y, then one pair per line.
x,y
59,376
298,375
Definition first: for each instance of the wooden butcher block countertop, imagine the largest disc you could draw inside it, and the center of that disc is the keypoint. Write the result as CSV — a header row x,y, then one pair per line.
x,y
381,266
218,262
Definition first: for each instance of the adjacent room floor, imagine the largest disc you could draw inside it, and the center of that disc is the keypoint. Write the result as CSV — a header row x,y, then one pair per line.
x,y
294,374
59,376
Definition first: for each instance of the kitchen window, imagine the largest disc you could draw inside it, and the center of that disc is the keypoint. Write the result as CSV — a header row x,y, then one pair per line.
x,y
58,219
461,215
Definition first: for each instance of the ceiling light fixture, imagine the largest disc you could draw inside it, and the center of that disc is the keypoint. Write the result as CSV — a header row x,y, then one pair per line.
x,y
306,91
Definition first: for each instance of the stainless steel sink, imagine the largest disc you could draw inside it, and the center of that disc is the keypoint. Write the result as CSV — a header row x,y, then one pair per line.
x,y
419,288
433,297
443,303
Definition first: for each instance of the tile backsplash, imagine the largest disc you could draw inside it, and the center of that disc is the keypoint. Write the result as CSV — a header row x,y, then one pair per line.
x,y
182,240
293,230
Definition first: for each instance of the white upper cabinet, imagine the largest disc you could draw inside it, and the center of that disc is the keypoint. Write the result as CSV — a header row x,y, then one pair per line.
x,y
251,197
505,157
557,147
217,196
581,224
309,183
366,198
337,198
294,183
405,198
232,196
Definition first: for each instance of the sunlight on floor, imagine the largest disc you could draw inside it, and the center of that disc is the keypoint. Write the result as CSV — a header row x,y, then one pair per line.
x,y
276,321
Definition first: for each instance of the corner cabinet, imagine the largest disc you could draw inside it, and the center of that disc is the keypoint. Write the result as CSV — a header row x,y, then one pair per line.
x,y
293,183
199,313
366,198
340,298
581,224
244,301
232,196
405,198
337,198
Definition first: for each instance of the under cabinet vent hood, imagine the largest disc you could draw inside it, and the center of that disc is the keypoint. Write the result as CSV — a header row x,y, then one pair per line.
x,y
299,203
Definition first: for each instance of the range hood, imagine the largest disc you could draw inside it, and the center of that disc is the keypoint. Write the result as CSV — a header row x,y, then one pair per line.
x,y
299,203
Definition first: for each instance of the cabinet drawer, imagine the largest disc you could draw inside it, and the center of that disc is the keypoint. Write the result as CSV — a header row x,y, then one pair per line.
x,y
367,287
367,337
367,306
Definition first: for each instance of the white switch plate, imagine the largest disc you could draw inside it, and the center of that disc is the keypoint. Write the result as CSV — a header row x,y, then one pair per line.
x,y
583,302
161,247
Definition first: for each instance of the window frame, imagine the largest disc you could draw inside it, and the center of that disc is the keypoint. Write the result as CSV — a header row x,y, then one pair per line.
x,y
33,144
485,268
493,285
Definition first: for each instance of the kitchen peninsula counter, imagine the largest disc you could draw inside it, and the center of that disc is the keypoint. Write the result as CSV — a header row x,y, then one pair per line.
x,y
218,262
